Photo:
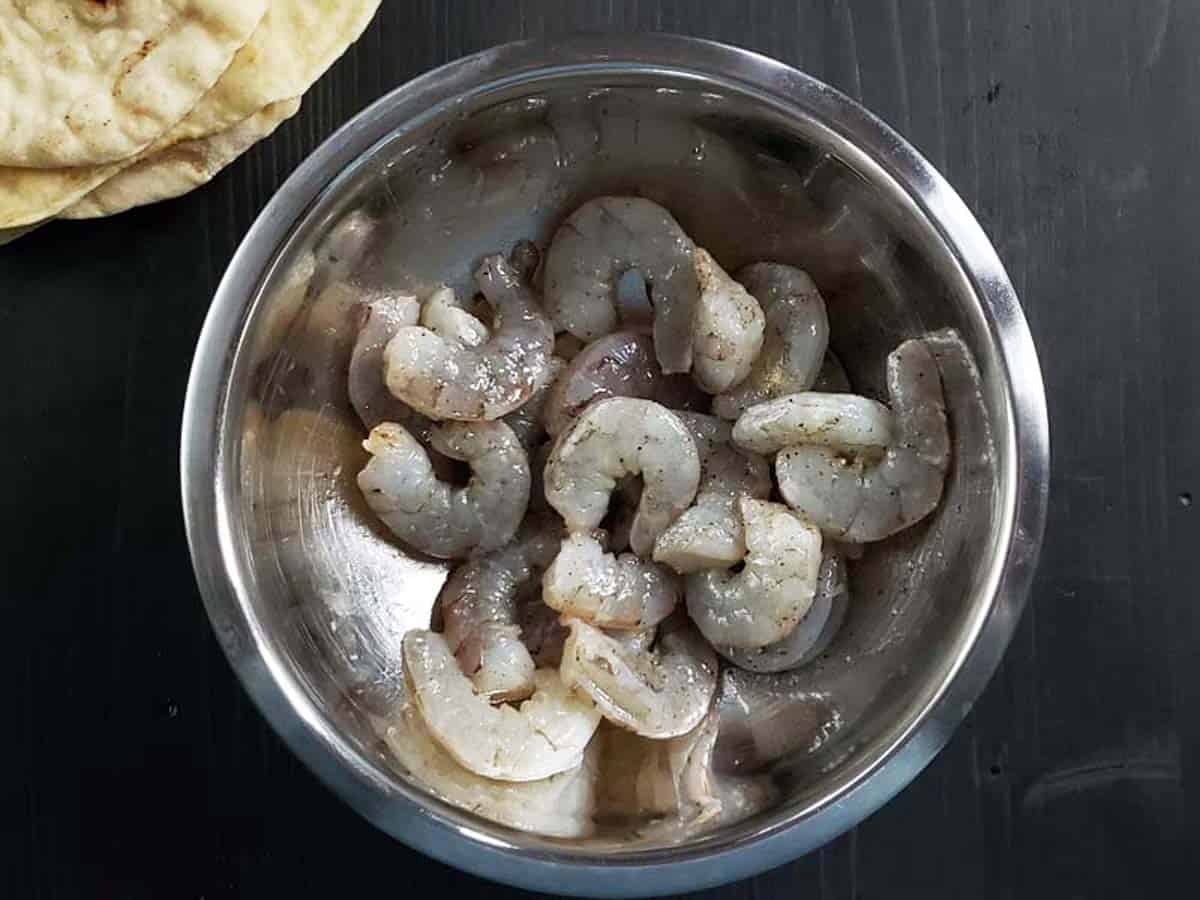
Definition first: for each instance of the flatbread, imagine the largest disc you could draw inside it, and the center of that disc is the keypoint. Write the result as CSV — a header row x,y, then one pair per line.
x,y
180,168
295,43
94,81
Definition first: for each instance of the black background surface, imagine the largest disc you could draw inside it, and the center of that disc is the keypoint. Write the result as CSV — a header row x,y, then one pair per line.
x,y
132,764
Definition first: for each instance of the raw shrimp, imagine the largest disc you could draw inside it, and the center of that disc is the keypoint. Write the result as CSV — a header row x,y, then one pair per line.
x,y
613,438
621,364
860,500
562,805
545,735
610,591
479,612
844,421
448,380
774,591
658,693
601,241
431,516
728,328
816,630
528,421
709,533
380,319
797,334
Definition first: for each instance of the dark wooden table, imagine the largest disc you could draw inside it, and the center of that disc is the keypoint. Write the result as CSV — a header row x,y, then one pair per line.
x,y
135,767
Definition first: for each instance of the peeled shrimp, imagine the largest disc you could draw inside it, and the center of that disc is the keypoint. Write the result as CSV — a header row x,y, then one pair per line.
x,y
708,535
797,333
859,500
728,328
621,364
546,735
431,516
658,693
562,805
607,590
479,611
450,380
812,636
444,315
613,438
774,591
601,241
844,421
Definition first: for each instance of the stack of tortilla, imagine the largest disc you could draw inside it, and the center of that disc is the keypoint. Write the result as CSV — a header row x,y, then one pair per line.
x,y
110,104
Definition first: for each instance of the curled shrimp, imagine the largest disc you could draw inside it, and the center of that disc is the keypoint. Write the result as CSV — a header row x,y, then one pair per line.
x,y
562,805
545,735
843,421
445,379
767,599
658,693
600,242
794,345
479,608
429,515
379,320
607,590
857,499
621,364
812,636
613,438
708,535
728,328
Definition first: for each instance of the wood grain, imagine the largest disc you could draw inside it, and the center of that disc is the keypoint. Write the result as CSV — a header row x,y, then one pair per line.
x,y
135,767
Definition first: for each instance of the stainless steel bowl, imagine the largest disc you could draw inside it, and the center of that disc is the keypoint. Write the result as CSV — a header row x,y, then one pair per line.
x,y
757,161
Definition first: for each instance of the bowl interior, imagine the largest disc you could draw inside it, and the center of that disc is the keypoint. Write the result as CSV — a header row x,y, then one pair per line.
x,y
333,595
